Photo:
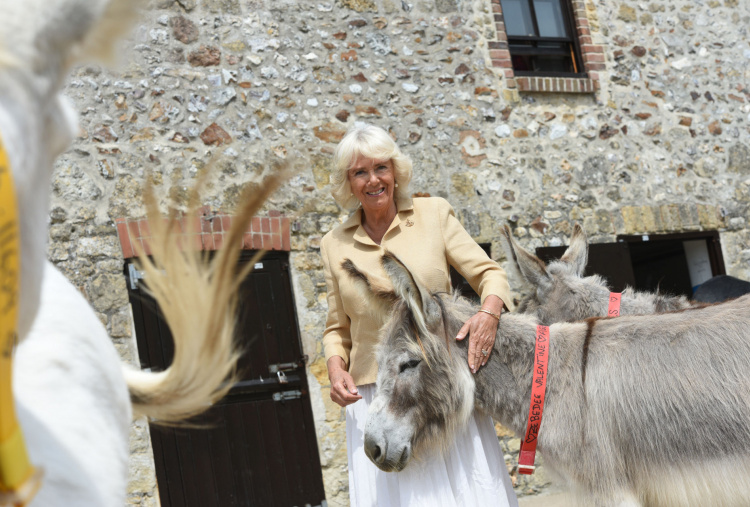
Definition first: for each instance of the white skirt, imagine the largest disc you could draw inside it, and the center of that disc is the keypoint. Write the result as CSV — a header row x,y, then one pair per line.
x,y
471,473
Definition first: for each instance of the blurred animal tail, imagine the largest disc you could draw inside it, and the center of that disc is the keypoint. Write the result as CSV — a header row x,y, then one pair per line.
x,y
198,300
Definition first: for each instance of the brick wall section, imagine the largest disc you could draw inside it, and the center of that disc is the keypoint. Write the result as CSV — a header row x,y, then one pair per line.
x,y
592,55
207,233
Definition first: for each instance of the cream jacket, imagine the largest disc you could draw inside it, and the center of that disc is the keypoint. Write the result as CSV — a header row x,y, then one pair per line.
x,y
427,237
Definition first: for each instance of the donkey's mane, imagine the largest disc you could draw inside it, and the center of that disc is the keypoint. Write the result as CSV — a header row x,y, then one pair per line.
x,y
454,310
401,316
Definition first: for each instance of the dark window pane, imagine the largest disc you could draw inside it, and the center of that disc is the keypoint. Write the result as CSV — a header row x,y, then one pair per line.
x,y
522,63
553,64
517,15
550,19
538,62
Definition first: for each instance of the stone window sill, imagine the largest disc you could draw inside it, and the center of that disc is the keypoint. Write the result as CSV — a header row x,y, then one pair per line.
x,y
556,84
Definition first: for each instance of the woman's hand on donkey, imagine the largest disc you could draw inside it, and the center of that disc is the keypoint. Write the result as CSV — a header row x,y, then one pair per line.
x,y
481,329
343,390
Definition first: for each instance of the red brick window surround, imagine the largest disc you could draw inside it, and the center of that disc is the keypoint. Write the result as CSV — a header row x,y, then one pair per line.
x,y
207,233
592,55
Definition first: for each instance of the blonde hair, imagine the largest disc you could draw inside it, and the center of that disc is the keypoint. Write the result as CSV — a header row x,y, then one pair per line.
x,y
371,142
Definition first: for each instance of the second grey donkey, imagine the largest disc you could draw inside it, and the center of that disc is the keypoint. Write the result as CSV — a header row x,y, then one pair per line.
x,y
560,292
640,410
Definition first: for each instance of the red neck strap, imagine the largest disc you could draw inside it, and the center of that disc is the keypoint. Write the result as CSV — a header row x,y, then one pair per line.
x,y
614,304
538,388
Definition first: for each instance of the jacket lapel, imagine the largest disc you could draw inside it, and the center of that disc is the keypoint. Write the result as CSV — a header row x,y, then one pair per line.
x,y
405,210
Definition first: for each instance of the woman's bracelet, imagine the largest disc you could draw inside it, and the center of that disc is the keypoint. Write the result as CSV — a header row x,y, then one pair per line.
x,y
490,313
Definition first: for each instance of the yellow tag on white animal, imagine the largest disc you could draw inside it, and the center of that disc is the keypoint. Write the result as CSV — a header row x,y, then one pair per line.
x,y
18,480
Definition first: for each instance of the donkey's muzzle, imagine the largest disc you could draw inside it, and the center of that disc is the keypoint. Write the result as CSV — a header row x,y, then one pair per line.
x,y
374,451
388,459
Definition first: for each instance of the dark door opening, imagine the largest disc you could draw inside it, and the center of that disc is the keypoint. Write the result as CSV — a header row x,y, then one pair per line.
x,y
460,283
257,446
669,263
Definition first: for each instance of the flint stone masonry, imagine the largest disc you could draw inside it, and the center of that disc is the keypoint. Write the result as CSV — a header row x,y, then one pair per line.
x,y
659,144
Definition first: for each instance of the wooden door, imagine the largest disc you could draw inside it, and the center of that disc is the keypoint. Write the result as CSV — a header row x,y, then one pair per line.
x,y
258,446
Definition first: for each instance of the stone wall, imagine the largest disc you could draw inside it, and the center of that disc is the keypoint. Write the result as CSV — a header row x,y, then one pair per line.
x,y
662,146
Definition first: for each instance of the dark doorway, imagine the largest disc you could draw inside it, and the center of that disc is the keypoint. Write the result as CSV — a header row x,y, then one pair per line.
x,y
460,283
258,446
668,263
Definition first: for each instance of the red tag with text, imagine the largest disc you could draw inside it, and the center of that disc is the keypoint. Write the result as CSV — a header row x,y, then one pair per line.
x,y
614,304
538,388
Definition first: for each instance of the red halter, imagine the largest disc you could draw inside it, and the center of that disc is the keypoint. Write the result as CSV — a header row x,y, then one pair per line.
x,y
614,304
538,388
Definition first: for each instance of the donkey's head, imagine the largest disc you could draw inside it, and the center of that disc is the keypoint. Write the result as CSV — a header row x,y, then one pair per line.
x,y
561,292
425,391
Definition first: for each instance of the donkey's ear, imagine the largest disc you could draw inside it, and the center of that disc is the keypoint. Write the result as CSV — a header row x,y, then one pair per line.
x,y
417,298
509,246
386,296
531,267
578,252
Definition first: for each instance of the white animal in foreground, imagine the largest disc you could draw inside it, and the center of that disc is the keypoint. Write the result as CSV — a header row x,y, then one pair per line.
x,y
74,397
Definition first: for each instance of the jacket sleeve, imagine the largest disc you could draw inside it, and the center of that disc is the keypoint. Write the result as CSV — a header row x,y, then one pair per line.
x,y
337,339
463,253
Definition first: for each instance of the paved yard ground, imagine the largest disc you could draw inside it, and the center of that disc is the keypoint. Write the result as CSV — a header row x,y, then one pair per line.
x,y
551,500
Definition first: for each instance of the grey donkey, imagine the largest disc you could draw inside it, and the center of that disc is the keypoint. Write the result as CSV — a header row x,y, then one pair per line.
x,y
640,410
562,294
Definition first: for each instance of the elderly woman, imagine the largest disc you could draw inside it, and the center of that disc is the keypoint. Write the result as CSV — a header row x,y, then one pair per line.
x,y
371,176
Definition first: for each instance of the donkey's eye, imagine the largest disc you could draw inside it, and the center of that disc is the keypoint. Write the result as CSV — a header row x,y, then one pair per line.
x,y
409,364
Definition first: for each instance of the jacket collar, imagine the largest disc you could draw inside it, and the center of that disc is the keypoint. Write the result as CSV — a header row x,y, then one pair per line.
x,y
405,207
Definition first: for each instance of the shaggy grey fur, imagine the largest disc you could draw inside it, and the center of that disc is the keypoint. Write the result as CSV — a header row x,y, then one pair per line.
x,y
563,294
659,415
